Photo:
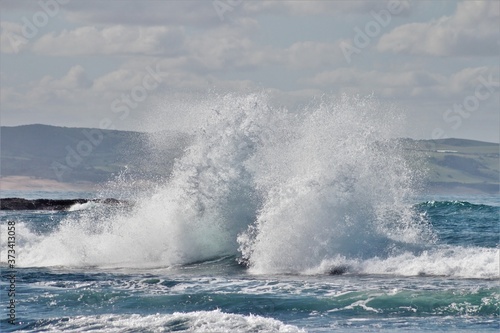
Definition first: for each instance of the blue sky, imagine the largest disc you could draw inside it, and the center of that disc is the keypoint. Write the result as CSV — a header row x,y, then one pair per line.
x,y
72,62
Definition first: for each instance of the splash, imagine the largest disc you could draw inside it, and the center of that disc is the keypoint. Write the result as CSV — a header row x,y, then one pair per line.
x,y
286,191
334,182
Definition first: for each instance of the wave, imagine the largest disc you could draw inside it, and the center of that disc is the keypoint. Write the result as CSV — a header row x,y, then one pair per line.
x,y
463,223
285,191
198,321
82,206
456,205
449,261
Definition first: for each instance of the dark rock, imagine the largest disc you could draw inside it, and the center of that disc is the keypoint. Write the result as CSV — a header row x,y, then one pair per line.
x,y
243,262
48,204
338,270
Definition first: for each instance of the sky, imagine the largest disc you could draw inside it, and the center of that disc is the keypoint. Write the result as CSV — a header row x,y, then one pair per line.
x,y
111,63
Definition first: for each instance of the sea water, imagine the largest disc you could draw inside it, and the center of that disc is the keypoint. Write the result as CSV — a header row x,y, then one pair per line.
x,y
271,221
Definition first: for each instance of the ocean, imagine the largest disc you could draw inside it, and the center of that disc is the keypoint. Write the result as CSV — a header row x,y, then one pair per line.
x,y
269,222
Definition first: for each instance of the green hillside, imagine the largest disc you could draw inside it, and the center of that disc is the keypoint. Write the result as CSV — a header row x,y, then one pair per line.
x,y
74,155
458,164
64,154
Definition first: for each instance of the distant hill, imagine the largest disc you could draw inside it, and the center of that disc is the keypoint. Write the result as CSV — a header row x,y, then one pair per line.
x,y
64,154
456,165
72,155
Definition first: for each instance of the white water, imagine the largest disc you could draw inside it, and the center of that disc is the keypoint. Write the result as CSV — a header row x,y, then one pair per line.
x,y
199,321
290,193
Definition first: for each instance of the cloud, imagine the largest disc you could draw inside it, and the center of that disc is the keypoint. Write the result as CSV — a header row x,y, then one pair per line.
x,y
220,48
229,48
404,84
19,5
76,78
224,48
55,90
11,38
201,14
116,39
64,100
471,31
146,13
73,81
337,8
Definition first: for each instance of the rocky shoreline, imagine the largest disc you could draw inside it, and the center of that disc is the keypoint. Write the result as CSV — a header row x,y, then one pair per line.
x,y
49,204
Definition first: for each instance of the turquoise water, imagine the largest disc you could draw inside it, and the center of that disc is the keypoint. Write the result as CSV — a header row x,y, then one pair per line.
x,y
220,295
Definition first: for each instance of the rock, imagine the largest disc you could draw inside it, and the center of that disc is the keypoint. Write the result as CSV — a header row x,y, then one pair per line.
x,y
338,270
48,204
243,262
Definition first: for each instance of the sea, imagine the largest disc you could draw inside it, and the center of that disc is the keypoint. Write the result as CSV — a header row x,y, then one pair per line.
x,y
270,221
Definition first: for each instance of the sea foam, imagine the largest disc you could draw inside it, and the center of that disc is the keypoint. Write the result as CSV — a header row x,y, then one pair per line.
x,y
198,321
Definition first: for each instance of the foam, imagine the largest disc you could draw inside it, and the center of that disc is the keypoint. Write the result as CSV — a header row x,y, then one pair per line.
x,y
450,261
82,206
198,321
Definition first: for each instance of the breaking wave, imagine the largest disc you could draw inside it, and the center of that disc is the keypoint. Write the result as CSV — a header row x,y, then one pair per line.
x,y
287,192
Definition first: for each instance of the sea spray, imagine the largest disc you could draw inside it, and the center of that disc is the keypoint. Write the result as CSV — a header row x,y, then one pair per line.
x,y
208,199
283,190
337,185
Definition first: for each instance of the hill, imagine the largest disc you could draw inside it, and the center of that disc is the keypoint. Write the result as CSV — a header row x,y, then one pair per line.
x,y
78,155
83,155
457,165
64,154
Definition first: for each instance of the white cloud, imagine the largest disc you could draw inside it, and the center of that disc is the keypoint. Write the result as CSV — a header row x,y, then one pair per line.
x,y
65,100
220,49
117,39
321,7
471,30
146,13
56,90
117,81
226,48
76,78
405,84
200,13
11,38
